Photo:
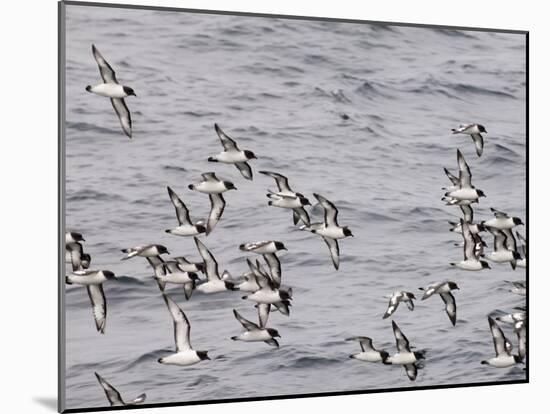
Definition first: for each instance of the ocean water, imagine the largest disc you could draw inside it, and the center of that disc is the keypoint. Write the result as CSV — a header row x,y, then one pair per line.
x,y
359,113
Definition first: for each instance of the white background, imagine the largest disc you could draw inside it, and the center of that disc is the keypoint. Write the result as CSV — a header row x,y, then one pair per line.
x,y
28,136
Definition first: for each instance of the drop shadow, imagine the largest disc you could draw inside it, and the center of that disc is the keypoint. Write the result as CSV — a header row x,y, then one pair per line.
x,y
47,402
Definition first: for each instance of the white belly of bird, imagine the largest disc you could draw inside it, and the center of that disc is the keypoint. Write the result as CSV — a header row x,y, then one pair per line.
x,y
178,278
521,263
87,280
287,203
332,232
265,296
110,90
185,230
368,356
469,265
249,286
210,187
184,358
500,256
231,157
502,361
268,248
213,286
254,336
464,194
402,358
500,223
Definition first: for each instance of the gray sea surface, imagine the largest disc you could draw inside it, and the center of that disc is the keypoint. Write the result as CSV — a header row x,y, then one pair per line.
x,y
359,113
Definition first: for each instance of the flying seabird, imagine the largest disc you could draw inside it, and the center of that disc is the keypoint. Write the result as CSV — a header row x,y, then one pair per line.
x,y
170,272
504,248
285,197
188,266
502,221
263,247
114,397
443,289
93,280
233,155
149,250
112,89
471,261
404,356
475,131
329,229
518,287
256,333
396,298
466,192
214,283
210,184
504,357
185,355
368,352
186,226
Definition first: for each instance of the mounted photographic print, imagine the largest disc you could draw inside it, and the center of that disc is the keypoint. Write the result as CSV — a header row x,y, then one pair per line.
x,y
263,207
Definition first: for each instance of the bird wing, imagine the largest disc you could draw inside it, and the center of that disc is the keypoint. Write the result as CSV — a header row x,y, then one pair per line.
x,y
334,251
209,261
392,306
274,267
364,341
499,340
123,114
111,392
182,211
99,306
300,214
280,180
469,242
450,306
401,341
454,179
411,371
468,213
249,326
510,240
464,174
106,71
245,169
209,176
228,143
331,212
478,141
263,313
217,205
499,214
182,328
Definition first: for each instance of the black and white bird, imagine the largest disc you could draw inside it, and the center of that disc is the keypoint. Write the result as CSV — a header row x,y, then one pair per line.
x,y
368,352
93,280
170,272
269,293
112,89
329,229
404,356
475,131
186,226
443,289
502,221
504,246
74,255
471,260
285,197
255,332
504,357
148,250
213,284
466,191
396,298
511,318
268,250
114,397
185,355
233,155
210,184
